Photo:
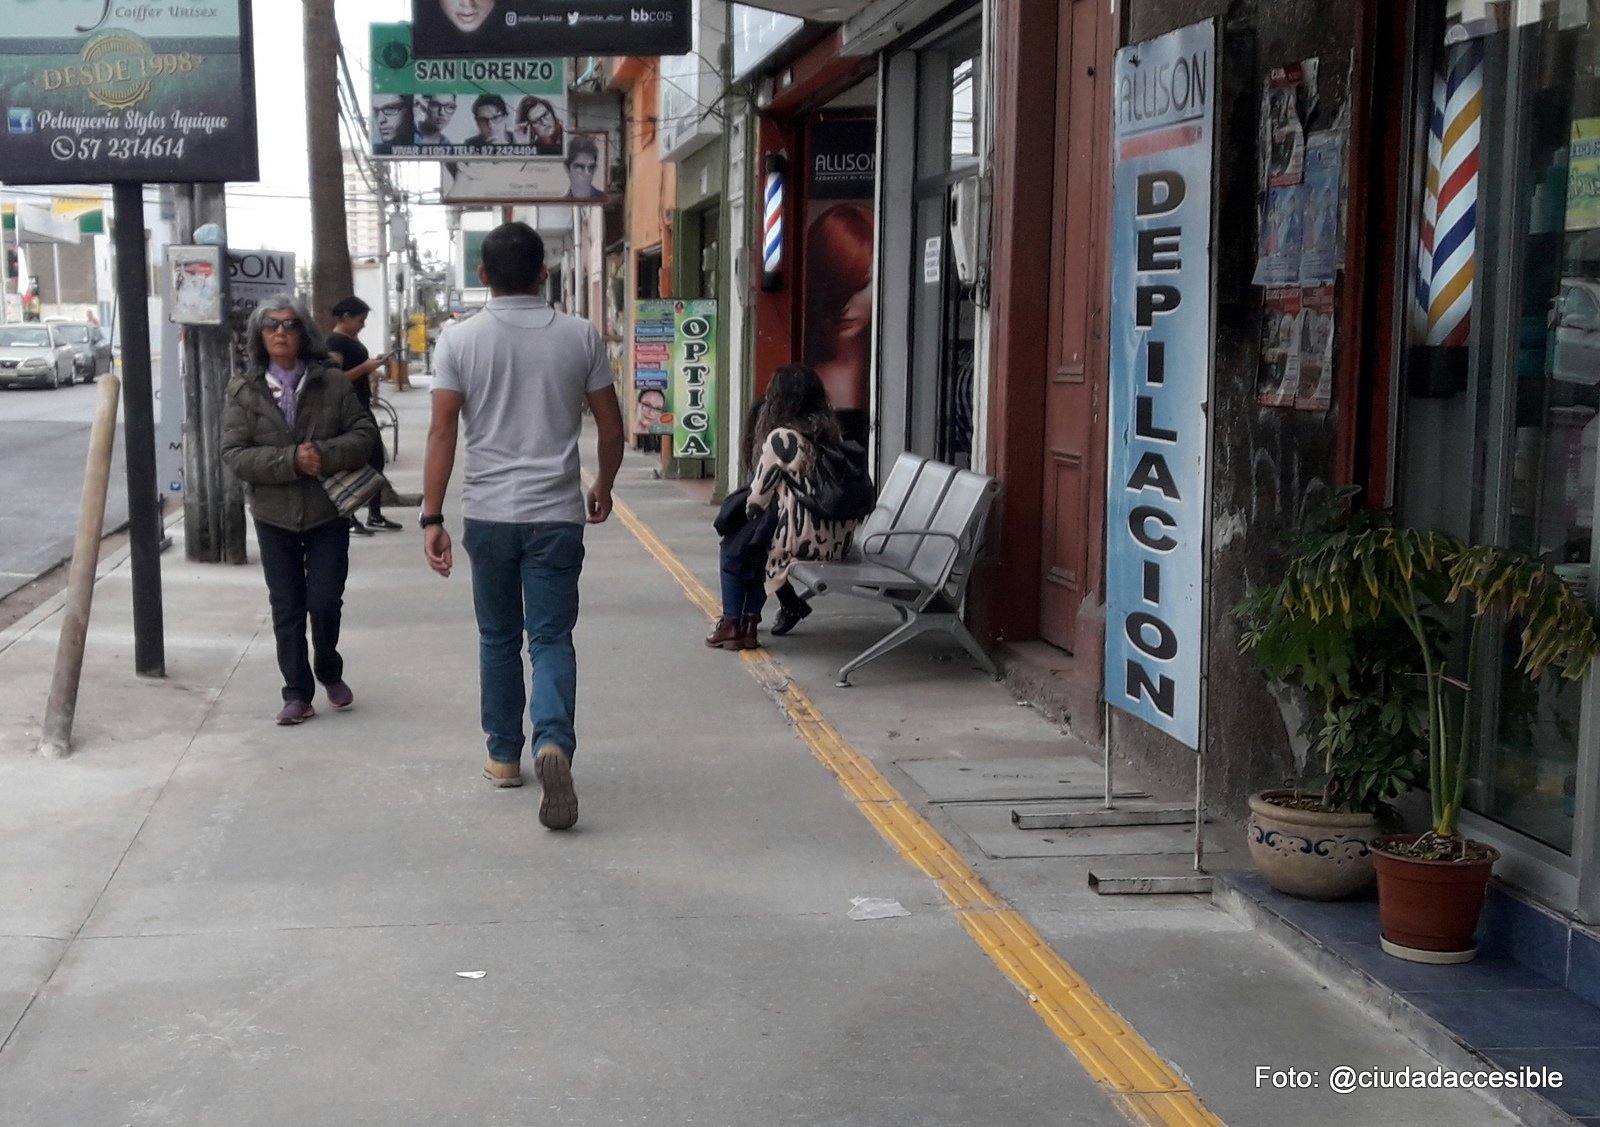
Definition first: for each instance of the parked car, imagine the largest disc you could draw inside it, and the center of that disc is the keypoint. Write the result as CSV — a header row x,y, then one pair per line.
x,y
90,347
1576,320
34,354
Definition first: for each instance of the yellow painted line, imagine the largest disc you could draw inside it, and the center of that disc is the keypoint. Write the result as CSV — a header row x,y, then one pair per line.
x,y
1142,1085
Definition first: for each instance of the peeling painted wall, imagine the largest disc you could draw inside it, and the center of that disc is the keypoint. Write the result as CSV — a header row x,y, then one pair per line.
x,y
1268,464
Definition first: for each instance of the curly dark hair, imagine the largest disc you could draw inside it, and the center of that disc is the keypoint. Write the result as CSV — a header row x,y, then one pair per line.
x,y
795,399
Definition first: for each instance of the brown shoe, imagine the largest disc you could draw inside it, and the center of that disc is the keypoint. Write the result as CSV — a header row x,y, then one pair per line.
x,y
502,774
750,632
558,807
727,636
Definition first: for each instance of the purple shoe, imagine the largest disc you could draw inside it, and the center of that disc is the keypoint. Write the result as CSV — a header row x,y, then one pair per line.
x,y
340,696
295,712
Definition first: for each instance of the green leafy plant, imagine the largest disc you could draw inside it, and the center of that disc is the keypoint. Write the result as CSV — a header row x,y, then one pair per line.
x,y
1367,724
1365,570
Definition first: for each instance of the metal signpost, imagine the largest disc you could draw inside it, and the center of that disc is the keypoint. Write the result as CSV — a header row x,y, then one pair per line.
x,y
130,94
1161,347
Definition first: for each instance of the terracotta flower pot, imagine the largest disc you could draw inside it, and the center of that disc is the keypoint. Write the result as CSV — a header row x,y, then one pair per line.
x,y
1430,909
1309,853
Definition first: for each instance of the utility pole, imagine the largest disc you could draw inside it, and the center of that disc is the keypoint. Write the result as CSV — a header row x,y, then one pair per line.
x,y
213,499
331,276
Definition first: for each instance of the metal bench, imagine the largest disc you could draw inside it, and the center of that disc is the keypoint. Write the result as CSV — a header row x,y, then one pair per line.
x,y
384,415
914,551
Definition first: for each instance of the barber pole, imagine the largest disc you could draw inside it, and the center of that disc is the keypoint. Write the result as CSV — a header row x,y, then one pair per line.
x,y
772,228
1447,257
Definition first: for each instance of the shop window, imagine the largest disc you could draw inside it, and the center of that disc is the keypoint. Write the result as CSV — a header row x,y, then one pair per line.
x,y
1501,394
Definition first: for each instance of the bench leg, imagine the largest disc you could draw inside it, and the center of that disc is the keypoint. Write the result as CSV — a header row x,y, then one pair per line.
x,y
959,631
911,624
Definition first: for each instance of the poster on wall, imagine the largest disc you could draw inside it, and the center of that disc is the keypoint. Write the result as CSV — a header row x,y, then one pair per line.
x,y
464,109
674,373
93,92
1319,254
1279,380
841,177
453,28
1583,175
583,176
1284,140
1282,237
1161,351
1315,389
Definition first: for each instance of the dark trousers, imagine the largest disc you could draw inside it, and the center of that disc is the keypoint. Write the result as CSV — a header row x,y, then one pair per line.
x,y
305,576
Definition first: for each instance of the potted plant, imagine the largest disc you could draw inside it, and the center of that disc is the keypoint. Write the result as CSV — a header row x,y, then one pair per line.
x,y
1431,885
1365,729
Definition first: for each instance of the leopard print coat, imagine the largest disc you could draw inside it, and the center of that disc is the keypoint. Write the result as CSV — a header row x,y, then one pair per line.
x,y
786,463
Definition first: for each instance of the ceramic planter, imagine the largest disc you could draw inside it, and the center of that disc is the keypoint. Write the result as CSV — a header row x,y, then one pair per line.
x,y
1309,853
1430,909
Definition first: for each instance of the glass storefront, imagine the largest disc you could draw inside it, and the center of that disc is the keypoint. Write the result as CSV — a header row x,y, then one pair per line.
x,y
1500,396
950,100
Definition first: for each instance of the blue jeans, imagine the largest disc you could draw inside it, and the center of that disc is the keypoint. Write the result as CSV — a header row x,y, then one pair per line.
x,y
525,583
742,584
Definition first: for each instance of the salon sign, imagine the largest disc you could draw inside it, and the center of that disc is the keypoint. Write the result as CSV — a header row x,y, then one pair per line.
x,y
1161,348
93,91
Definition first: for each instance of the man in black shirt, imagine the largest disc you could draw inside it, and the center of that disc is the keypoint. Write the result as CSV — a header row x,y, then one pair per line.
x,y
350,317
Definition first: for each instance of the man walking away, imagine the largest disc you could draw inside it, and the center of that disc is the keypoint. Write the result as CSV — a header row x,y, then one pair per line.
x,y
521,373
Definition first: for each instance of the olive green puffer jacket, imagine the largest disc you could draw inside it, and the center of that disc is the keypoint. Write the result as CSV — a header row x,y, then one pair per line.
x,y
258,446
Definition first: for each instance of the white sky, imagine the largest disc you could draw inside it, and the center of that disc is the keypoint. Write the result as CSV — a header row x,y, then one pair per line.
x,y
275,214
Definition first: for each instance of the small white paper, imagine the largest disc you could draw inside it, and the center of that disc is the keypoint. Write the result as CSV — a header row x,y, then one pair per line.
x,y
872,908
932,258
471,973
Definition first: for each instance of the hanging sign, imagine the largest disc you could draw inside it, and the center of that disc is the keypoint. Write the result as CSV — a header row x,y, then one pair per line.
x,y
473,109
453,28
1161,349
96,92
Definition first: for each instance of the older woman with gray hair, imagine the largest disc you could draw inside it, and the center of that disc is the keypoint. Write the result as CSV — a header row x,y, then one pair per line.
x,y
287,421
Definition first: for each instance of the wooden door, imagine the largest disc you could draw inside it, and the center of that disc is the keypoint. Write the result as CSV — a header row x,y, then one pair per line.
x,y
1073,511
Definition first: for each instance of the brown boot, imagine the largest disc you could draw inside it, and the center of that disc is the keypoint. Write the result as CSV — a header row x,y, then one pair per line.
x,y
749,632
727,635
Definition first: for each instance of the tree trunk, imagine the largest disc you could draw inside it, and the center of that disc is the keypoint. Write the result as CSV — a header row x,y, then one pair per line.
x,y
331,277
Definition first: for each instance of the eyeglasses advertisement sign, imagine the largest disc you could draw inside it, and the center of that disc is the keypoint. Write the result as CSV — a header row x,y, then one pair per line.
x,y
582,176
1161,348
98,92
464,109
466,28
674,373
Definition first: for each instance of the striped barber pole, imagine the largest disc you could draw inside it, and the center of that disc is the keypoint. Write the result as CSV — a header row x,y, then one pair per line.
x,y
772,240
1447,257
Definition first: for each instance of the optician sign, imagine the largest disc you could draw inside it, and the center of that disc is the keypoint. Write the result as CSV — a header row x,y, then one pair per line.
x,y
1160,377
674,373
456,28
96,92
472,109
580,177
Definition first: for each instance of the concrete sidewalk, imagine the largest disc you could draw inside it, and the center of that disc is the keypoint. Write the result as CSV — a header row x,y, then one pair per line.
x,y
207,919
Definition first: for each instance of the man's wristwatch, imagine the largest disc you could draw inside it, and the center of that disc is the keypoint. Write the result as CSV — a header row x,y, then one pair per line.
x,y
427,520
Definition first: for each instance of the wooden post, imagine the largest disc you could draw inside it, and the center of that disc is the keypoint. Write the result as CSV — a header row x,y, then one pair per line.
x,y
63,705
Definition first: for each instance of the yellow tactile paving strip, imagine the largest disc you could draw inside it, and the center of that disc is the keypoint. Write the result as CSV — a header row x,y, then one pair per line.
x,y
1143,1086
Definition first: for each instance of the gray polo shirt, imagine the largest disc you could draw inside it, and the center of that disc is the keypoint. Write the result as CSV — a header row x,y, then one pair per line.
x,y
523,370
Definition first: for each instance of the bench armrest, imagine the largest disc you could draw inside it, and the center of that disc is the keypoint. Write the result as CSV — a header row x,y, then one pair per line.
x,y
866,546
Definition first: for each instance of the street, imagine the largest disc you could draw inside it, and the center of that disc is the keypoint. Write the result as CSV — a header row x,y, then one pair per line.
x,y
44,437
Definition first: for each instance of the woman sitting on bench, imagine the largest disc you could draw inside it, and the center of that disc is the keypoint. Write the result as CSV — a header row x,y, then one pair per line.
x,y
780,454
